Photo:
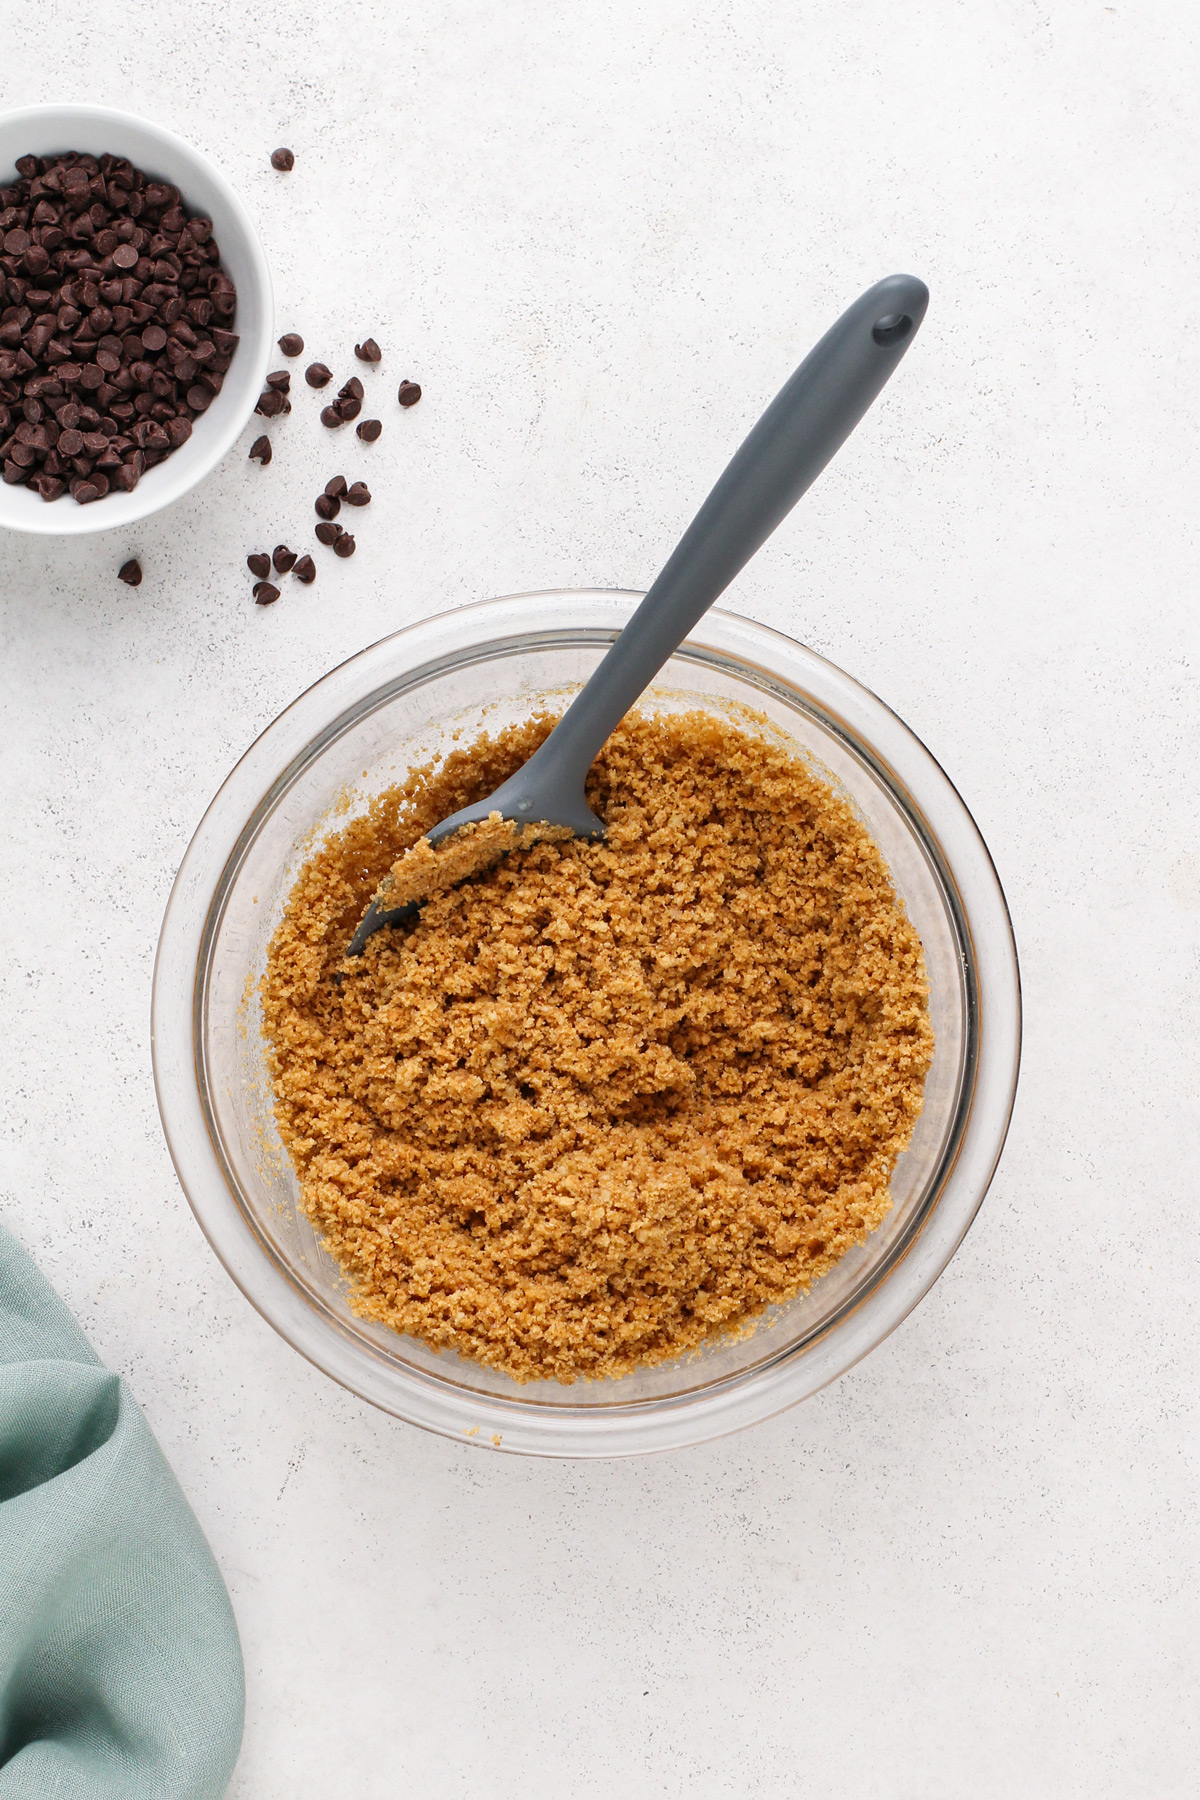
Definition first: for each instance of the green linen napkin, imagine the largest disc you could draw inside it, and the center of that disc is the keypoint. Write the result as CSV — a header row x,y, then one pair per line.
x,y
120,1671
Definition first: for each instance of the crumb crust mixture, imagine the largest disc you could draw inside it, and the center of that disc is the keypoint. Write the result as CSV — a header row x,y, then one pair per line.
x,y
603,1100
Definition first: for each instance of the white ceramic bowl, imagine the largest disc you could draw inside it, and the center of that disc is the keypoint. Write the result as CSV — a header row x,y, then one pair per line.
x,y
97,130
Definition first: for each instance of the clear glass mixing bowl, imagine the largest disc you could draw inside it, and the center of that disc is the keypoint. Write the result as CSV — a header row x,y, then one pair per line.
x,y
356,732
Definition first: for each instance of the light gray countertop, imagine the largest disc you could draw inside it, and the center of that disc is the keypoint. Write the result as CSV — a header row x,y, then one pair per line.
x,y
600,236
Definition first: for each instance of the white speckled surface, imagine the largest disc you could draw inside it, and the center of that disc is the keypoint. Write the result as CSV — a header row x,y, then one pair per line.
x,y
601,235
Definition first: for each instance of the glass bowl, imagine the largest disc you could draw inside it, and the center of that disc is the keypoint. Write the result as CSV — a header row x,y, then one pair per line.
x,y
358,731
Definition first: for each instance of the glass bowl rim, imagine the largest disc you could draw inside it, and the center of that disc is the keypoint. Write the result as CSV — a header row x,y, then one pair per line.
x,y
925,794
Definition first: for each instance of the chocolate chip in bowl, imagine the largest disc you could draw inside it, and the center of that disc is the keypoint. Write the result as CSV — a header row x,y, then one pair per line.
x,y
119,318
135,306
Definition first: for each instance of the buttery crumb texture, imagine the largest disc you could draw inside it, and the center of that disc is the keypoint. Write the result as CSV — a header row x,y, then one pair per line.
x,y
472,849
602,1100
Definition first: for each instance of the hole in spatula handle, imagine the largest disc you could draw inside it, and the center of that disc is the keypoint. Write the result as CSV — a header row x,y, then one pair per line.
x,y
892,328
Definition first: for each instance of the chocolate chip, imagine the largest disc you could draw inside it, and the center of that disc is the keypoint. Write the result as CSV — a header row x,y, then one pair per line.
x,y
369,430
260,450
353,389
328,533
305,570
116,298
291,343
359,494
283,558
317,375
259,564
409,394
265,593
336,487
282,159
345,545
327,506
269,403
368,352
348,408
280,380
130,572
331,417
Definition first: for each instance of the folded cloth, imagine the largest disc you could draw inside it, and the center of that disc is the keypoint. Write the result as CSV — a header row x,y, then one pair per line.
x,y
120,1670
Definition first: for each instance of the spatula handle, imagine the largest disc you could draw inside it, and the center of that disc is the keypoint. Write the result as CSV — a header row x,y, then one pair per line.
x,y
804,426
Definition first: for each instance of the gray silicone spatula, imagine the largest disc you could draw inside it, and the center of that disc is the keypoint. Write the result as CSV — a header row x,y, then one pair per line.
x,y
800,431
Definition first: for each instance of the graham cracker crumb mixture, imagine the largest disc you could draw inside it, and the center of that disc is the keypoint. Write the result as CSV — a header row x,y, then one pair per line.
x,y
602,1100
474,847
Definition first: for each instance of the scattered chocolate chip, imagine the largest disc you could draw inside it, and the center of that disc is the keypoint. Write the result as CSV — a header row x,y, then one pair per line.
x,y
409,394
368,352
332,417
353,389
305,570
359,494
260,450
291,343
280,380
369,430
259,564
269,403
328,533
327,506
348,408
345,545
317,375
283,558
282,159
265,592
130,572
336,487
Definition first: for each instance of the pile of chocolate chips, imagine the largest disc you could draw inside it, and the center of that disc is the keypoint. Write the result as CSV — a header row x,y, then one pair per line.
x,y
115,334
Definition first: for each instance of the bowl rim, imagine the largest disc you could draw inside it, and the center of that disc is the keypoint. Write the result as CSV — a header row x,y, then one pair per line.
x,y
499,1421
143,502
